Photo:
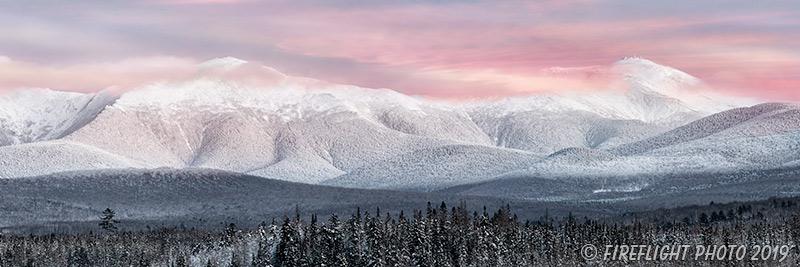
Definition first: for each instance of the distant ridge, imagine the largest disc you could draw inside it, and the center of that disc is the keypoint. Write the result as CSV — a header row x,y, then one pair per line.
x,y
247,118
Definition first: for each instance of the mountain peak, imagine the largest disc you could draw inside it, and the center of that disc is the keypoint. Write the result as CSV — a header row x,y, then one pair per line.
x,y
635,59
644,75
644,63
224,63
646,81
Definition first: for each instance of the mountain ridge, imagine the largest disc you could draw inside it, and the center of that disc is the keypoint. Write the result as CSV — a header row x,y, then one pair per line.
x,y
243,117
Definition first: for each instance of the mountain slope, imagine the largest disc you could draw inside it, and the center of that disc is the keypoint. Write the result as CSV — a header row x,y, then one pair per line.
x,y
644,191
247,118
648,100
433,168
57,156
42,114
207,198
547,132
758,137
275,132
765,118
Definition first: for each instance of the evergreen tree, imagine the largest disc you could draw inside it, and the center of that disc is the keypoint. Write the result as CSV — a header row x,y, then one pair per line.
x,y
332,243
442,238
374,234
354,251
703,218
311,243
107,221
399,252
266,241
180,262
290,251
419,244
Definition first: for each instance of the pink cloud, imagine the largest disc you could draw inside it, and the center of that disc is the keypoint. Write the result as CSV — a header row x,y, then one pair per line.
x,y
197,2
91,77
465,49
451,47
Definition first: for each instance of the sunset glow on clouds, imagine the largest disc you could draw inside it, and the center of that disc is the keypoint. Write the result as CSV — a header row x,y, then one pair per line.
x,y
454,49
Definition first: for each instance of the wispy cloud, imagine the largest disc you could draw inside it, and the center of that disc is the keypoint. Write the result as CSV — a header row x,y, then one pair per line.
x,y
196,2
88,77
438,48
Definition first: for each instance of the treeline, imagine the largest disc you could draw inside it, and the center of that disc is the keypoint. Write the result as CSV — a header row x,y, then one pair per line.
x,y
772,209
435,236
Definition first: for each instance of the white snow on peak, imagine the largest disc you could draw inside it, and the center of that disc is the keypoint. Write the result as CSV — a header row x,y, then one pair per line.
x,y
224,63
30,115
245,117
651,93
654,94
228,83
646,75
289,99
647,91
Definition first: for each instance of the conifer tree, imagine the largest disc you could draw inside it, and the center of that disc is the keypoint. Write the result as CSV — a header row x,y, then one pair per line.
x,y
107,221
354,247
332,243
290,251
374,235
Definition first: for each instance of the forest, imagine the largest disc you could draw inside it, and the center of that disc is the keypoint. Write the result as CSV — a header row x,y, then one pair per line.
x,y
437,235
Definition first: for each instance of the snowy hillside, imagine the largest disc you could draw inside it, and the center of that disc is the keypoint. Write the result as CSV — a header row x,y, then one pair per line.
x,y
247,118
434,168
49,157
758,137
650,99
647,92
288,132
43,114
768,119
544,132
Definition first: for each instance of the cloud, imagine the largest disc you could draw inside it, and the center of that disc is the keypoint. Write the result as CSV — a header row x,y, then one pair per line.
x,y
438,48
94,76
197,2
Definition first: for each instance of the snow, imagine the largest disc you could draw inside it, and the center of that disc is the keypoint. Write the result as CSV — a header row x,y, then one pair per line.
x,y
649,92
714,124
305,130
435,168
288,100
42,114
580,155
759,137
286,131
646,75
547,132
224,63
49,157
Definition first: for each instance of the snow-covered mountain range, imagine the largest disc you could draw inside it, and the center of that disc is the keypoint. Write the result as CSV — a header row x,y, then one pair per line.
x,y
40,114
247,118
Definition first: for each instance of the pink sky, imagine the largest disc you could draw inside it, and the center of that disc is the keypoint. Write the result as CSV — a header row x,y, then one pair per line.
x,y
452,49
